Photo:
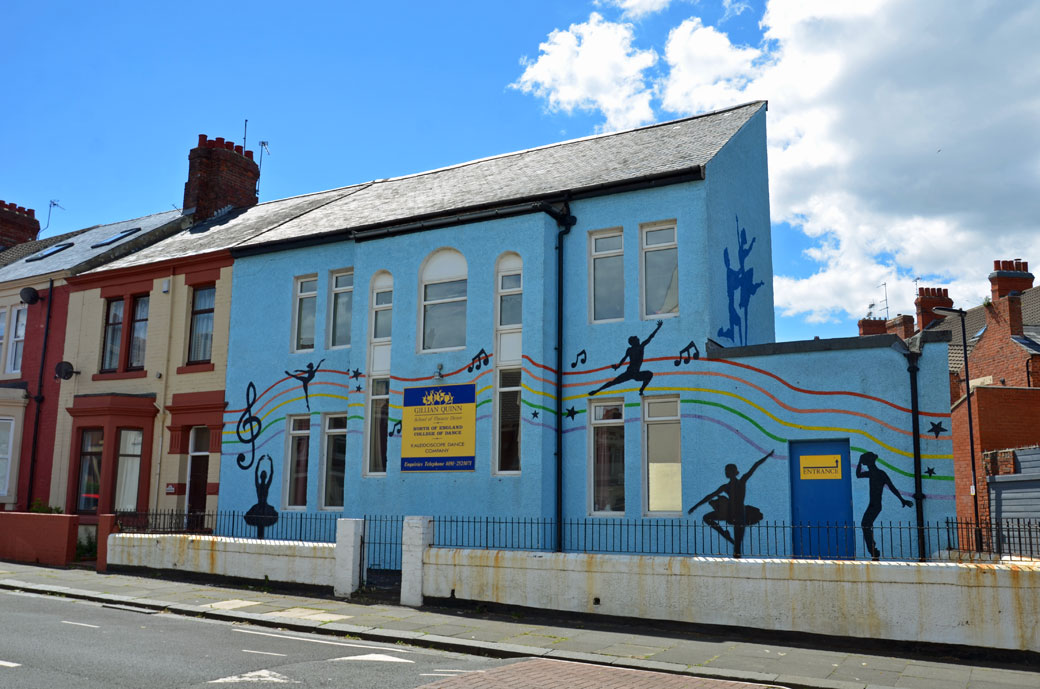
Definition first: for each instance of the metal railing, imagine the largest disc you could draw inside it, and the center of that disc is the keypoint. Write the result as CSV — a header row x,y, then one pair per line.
x,y
306,527
383,541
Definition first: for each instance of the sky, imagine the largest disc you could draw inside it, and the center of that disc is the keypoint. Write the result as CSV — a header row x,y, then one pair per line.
x,y
903,135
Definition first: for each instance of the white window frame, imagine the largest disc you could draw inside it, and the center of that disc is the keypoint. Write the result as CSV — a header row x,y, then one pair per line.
x,y
434,302
499,389
593,424
437,270
369,420
3,333
644,249
376,307
648,422
6,472
327,434
126,468
591,262
505,292
291,434
13,339
334,293
298,296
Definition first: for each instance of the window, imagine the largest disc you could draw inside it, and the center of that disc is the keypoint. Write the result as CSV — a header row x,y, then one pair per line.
x,y
49,251
663,459
382,314
138,333
17,343
299,449
128,469
608,276
6,439
382,309
510,300
306,301
660,271
200,338
198,469
89,471
608,457
3,331
342,296
112,239
113,335
378,418
508,420
444,301
335,461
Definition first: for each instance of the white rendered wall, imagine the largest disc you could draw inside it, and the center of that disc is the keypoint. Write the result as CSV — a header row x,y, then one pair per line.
x,y
995,606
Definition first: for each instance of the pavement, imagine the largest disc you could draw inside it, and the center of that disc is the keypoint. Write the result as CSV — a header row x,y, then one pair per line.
x,y
667,648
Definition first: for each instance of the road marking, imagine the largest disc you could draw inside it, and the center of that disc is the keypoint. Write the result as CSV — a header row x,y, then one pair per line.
x,y
316,641
446,670
263,653
258,676
4,663
436,674
377,657
81,624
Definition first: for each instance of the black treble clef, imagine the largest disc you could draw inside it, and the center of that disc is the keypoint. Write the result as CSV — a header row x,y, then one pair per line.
x,y
248,428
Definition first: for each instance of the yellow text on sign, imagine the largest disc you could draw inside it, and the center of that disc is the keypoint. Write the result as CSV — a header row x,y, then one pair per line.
x,y
820,467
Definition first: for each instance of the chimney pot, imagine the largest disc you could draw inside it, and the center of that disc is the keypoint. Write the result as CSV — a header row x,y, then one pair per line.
x,y
238,150
249,154
216,181
202,140
219,141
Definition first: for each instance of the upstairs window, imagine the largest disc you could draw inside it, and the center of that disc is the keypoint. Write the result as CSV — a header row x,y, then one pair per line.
x,y
17,344
306,298
200,338
138,333
660,271
113,339
112,239
382,309
607,275
49,251
444,301
341,305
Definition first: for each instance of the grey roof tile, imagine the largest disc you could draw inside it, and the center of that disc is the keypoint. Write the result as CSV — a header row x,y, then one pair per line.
x,y
975,322
19,251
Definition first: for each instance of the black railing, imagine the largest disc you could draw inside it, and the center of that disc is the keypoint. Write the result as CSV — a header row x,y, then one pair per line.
x,y
307,527
383,541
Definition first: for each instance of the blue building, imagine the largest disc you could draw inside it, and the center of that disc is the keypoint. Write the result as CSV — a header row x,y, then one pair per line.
x,y
528,335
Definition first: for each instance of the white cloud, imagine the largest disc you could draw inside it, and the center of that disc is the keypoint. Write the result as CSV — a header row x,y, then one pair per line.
x,y
593,66
638,8
734,8
903,135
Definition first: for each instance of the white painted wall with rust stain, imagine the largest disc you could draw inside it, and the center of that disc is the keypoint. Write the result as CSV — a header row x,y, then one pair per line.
x,y
995,606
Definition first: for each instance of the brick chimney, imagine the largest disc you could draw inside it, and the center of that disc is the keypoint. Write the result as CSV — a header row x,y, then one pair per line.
x,y
927,299
1009,276
872,326
220,174
17,224
900,325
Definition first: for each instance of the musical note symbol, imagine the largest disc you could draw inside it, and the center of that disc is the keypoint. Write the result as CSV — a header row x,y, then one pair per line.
x,y
684,354
480,359
582,358
395,429
248,428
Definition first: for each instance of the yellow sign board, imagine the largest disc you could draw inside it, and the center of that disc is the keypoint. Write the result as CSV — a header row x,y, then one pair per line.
x,y
438,428
820,467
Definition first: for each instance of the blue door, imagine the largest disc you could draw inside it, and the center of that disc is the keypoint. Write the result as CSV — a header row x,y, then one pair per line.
x,y
821,499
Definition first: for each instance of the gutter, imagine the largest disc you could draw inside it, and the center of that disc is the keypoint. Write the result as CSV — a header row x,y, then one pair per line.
x,y
38,398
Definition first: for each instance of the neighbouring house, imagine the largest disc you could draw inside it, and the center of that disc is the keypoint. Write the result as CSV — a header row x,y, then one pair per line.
x,y
578,331
34,296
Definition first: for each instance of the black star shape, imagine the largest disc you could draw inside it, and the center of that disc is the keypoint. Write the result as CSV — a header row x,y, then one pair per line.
x,y
357,389
356,374
571,413
534,414
930,471
937,428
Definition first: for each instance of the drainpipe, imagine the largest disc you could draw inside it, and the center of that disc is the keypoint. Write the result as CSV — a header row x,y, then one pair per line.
x,y
565,221
39,396
913,355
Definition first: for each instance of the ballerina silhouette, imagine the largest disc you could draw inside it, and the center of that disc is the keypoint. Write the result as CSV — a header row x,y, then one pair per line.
x,y
305,376
634,355
730,507
867,468
261,515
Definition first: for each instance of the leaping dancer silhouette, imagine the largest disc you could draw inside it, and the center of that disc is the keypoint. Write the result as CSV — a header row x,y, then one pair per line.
x,y
867,468
305,376
730,507
634,355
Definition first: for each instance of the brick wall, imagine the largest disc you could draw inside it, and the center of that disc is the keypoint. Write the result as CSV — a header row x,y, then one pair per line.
x,y
17,224
219,174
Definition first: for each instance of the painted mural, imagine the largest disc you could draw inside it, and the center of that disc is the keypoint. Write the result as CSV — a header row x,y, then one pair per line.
x,y
634,356
261,515
879,480
727,504
740,288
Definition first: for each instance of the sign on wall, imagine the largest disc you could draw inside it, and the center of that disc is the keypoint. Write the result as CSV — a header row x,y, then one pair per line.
x,y
438,428
815,467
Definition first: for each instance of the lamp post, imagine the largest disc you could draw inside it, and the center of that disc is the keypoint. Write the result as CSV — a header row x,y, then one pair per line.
x,y
961,313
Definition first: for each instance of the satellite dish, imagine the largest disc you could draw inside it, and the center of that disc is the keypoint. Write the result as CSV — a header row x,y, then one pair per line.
x,y
64,370
29,295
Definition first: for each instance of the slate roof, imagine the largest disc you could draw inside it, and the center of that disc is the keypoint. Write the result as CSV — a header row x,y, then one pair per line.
x,y
19,251
85,252
975,323
529,175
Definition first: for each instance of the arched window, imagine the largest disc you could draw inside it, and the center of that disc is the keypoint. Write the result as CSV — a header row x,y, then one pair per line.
x,y
509,287
443,315
381,305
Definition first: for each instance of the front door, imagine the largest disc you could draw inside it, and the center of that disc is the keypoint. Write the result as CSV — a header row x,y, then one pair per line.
x,y
821,499
198,472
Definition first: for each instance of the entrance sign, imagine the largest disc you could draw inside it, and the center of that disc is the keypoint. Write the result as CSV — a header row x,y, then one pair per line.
x,y
438,428
816,467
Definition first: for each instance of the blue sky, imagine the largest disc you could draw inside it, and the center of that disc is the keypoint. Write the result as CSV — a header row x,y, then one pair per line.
x,y
904,137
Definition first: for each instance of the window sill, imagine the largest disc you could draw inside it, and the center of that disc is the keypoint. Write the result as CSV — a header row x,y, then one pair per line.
x,y
196,368
119,375
457,348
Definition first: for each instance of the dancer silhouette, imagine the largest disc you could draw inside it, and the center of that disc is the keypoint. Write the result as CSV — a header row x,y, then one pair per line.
x,y
634,355
867,468
261,515
305,376
730,507
733,278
